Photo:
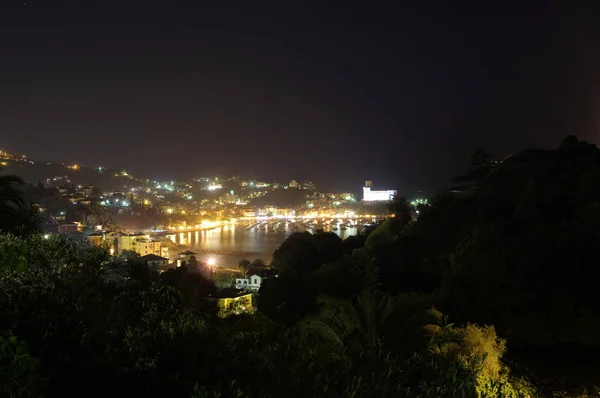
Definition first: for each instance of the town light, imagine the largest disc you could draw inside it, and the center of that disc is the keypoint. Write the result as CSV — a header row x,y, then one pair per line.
x,y
211,262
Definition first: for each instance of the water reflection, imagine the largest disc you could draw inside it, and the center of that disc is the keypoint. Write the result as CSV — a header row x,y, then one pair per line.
x,y
230,243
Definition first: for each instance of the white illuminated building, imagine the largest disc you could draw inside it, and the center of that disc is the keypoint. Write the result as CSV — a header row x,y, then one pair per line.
x,y
376,196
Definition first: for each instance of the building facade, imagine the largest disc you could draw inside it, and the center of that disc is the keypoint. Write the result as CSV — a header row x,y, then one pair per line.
x,y
154,260
376,196
251,283
142,245
66,229
233,301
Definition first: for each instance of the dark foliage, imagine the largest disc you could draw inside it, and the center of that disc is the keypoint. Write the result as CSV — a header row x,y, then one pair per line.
x,y
515,247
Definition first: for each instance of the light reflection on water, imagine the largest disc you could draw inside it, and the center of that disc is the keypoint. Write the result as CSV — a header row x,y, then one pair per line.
x,y
230,243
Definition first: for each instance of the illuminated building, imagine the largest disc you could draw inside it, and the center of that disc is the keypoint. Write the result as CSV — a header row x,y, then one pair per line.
x,y
284,212
154,260
142,245
66,229
96,238
230,300
148,246
228,198
294,184
253,283
276,212
84,191
102,238
127,241
168,209
249,213
376,196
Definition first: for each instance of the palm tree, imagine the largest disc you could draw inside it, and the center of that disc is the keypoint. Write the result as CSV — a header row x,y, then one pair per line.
x,y
350,334
346,324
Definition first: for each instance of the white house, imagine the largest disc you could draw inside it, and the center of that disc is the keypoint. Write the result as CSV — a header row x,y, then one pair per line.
x,y
250,283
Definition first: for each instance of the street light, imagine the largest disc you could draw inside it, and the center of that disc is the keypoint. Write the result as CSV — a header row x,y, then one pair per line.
x,y
211,263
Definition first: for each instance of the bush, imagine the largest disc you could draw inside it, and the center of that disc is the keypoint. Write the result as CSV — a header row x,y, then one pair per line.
x,y
18,370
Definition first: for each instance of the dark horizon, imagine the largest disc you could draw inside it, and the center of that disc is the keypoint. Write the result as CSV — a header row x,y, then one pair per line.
x,y
400,95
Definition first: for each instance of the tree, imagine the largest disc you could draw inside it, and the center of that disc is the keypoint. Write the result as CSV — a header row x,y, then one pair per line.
x,y
15,215
223,278
258,263
129,255
402,211
479,166
11,198
350,324
303,252
244,267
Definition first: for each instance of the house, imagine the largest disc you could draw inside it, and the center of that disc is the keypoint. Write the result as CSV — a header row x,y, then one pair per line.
x,y
96,238
233,301
251,283
66,229
148,246
187,253
142,244
127,241
154,260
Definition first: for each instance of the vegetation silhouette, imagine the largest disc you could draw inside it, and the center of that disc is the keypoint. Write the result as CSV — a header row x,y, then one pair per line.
x,y
483,293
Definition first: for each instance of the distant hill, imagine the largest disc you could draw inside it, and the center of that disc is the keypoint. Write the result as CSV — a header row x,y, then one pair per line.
x,y
33,172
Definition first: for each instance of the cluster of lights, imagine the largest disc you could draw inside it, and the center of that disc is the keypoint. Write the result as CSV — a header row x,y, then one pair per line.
x,y
307,217
417,202
204,224
123,203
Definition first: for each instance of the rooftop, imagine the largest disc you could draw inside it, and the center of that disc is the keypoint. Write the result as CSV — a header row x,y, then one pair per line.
x,y
144,240
231,292
153,257
187,253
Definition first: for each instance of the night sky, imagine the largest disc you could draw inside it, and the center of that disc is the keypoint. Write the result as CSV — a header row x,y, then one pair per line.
x,y
397,92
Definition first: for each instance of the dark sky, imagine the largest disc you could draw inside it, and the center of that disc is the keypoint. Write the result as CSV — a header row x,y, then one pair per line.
x,y
397,92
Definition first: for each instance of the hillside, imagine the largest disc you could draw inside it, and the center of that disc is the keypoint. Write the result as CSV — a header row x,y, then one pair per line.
x,y
283,198
34,172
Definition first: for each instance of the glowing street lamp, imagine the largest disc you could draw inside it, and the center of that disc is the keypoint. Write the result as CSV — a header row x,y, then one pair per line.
x,y
211,263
